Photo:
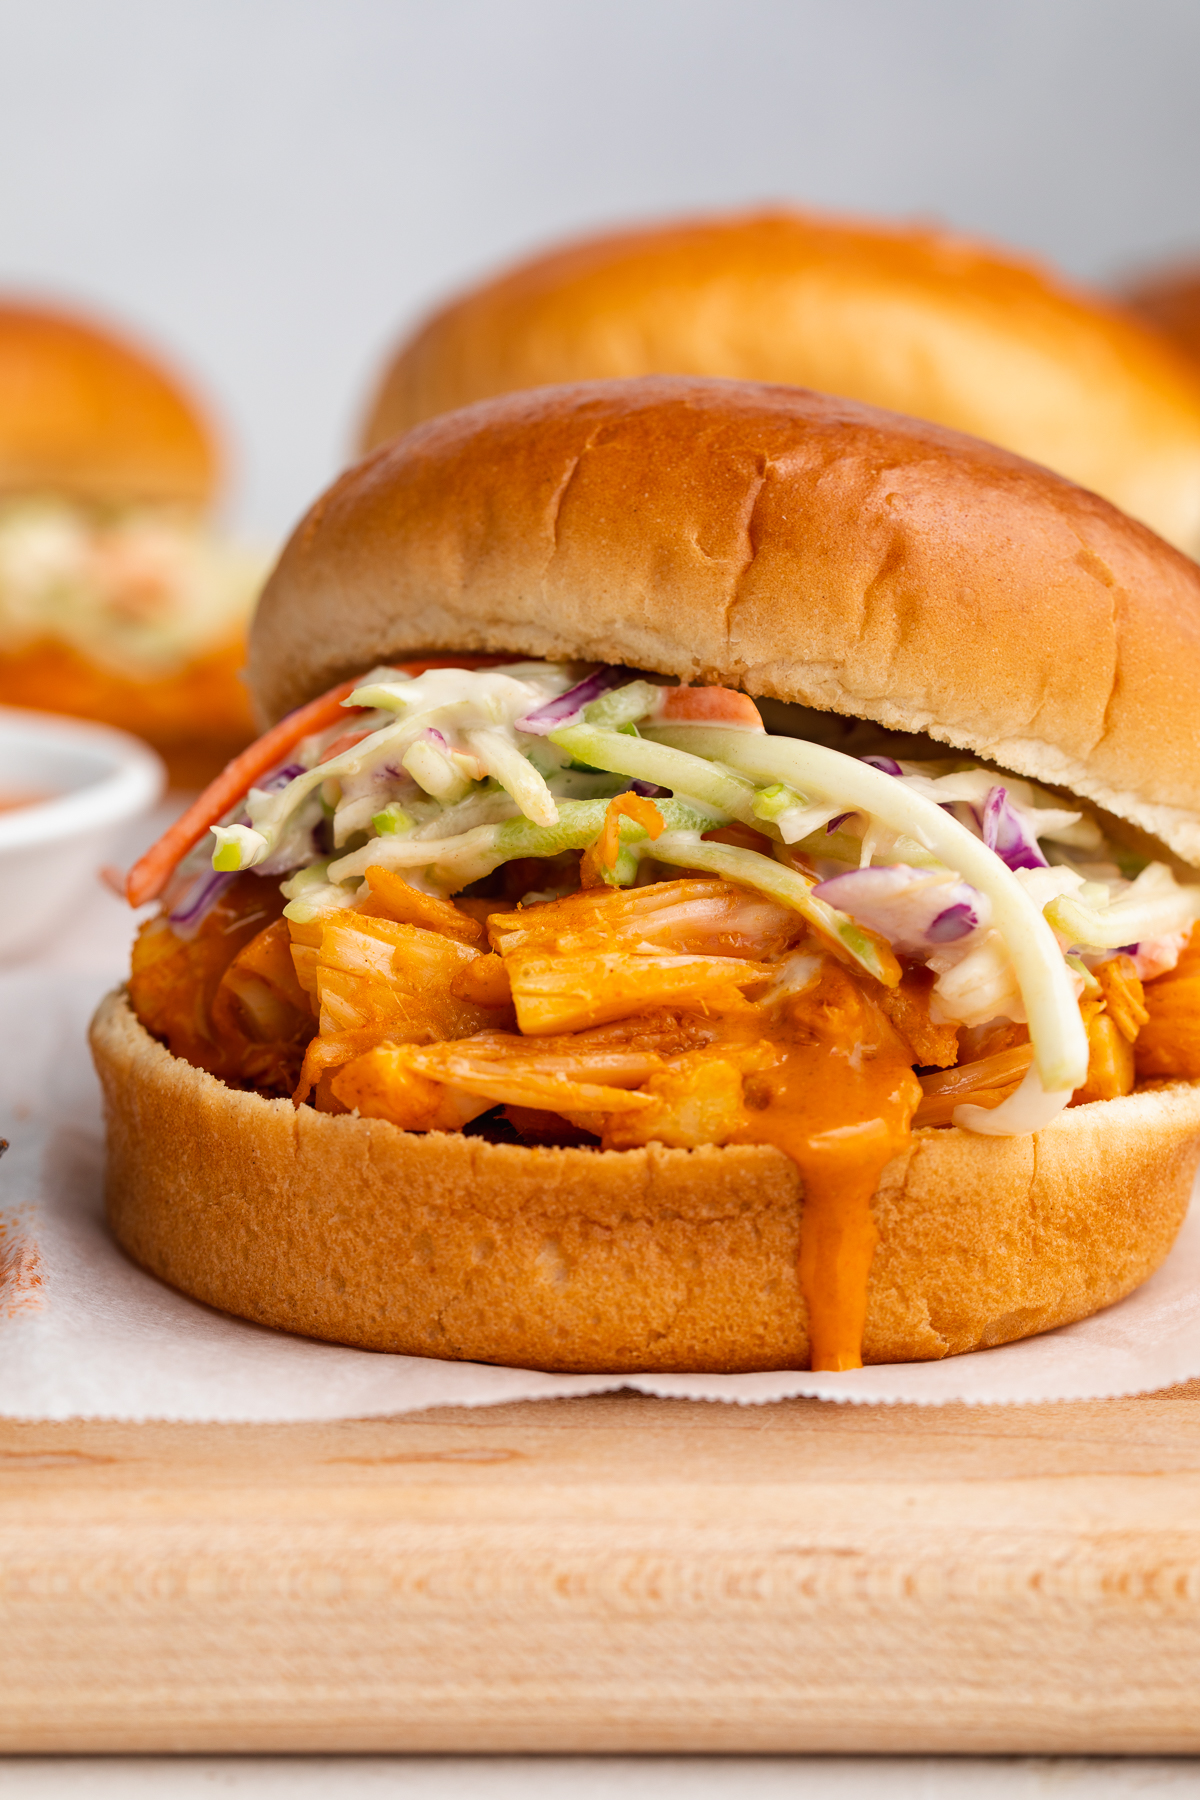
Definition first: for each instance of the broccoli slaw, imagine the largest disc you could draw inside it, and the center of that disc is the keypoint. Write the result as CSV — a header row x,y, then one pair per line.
x,y
139,590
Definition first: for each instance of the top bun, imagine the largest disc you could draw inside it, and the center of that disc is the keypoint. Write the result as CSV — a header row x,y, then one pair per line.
x,y
915,320
84,415
774,540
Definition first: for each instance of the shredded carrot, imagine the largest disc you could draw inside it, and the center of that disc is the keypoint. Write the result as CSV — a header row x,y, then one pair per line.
x,y
149,876
708,706
604,852
151,873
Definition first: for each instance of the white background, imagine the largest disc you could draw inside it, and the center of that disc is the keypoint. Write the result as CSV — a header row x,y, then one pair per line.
x,y
272,187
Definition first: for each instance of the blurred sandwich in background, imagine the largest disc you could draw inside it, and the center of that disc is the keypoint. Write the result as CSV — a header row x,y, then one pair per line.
x,y
119,600
917,320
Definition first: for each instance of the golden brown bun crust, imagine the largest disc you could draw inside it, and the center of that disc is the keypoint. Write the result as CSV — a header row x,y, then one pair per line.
x,y
779,541
1170,301
916,320
348,1229
88,416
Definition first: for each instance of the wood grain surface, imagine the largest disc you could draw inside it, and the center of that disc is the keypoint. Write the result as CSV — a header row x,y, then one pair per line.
x,y
616,1573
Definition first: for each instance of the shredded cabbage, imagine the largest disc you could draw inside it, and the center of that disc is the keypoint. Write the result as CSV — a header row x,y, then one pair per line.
x,y
516,774
1154,905
1024,801
730,796
792,814
915,909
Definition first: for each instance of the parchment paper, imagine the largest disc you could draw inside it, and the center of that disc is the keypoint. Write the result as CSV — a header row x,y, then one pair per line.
x,y
83,1333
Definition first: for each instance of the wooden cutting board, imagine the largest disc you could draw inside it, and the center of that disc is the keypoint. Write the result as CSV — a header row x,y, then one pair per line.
x,y
609,1574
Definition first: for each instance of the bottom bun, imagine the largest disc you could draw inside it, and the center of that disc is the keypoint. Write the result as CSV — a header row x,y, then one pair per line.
x,y
617,1261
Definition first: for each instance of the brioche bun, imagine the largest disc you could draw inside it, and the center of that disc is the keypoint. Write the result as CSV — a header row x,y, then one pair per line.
x,y
89,416
609,1261
799,547
913,319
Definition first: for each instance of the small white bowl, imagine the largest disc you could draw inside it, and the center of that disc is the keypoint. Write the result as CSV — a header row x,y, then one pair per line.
x,y
96,781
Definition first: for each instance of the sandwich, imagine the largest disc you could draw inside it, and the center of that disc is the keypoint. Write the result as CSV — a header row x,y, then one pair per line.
x,y
118,600
716,891
906,317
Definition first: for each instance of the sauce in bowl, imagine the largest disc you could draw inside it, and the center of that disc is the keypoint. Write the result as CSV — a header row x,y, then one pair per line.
x,y
12,798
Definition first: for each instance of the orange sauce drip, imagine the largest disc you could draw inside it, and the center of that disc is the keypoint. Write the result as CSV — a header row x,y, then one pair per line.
x,y
839,1102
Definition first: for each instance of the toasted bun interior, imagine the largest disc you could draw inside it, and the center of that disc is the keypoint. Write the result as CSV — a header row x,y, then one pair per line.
x,y
802,548
89,416
912,319
442,1245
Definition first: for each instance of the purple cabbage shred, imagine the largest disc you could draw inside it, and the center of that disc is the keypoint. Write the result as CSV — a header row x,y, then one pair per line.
x,y
279,778
1004,833
548,717
957,921
200,899
905,906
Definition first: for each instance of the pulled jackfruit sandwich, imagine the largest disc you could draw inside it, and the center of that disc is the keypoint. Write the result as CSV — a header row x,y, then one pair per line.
x,y
718,892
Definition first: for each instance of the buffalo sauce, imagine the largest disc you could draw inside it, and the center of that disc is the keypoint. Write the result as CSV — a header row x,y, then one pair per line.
x,y
839,1101
11,799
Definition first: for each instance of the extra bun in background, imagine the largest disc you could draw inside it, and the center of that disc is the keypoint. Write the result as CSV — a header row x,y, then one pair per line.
x,y
91,416
913,319
803,549
118,600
